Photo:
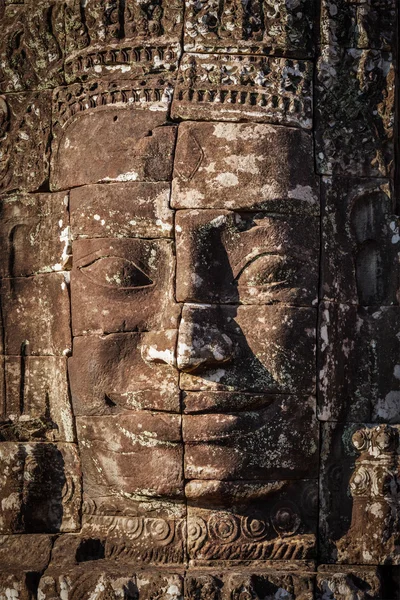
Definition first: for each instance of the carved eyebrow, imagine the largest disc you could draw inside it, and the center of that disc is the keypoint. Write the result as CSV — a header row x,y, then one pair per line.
x,y
89,259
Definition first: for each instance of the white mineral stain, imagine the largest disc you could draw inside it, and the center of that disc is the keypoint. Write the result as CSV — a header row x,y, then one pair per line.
x,y
233,131
11,593
282,594
270,190
388,408
129,176
215,376
376,510
155,355
64,595
191,198
98,591
174,592
246,163
164,226
11,502
210,168
196,280
146,438
303,192
121,68
218,221
324,413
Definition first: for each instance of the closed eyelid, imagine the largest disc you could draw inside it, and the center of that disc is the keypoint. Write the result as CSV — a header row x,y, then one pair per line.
x,y
117,272
242,265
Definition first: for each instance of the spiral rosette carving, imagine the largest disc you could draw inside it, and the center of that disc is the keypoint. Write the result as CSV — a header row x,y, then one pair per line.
x,y
223,527
134,527
254,529
244,593
360,439
361,482
309,500
110,522
285,521
161,531
196,533
335,474
376,441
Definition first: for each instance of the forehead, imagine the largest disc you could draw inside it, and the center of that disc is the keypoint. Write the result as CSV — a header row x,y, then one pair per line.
x,y
236,166
244,166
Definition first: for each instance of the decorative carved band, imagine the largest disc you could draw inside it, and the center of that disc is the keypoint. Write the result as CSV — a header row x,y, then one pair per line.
x,y
277,90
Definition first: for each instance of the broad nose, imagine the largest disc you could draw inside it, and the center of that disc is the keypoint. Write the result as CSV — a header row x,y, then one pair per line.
x,y
202,341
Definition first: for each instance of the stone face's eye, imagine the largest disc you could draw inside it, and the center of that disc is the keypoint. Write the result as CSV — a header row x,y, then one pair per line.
x,y
267,271
113,271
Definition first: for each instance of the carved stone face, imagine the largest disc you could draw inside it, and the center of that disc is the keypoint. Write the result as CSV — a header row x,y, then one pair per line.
x,y
199,299
193,294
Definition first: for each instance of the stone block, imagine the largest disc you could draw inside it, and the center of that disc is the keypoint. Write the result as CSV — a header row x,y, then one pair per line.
x,y
359,520
83,582
23,558
111,445
245,166
32,46
25,552
36,405
242,521
284,581
357,361
110,374
255,28
36,315
25,121
123,285
121,210
336,582
279,441
360,242
40,488
133,486
143,540
354,114
240,88
247,348
366,24
110,580
113,131
130,38
251,258
35,234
